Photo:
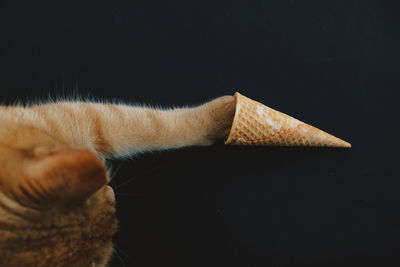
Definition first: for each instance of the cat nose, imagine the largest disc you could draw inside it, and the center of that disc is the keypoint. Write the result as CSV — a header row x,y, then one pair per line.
x,y
110,193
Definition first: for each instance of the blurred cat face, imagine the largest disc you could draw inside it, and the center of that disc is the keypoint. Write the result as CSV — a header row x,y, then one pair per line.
x,y
55,206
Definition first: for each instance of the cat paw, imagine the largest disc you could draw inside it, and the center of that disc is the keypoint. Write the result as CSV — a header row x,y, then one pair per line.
x,y
220,113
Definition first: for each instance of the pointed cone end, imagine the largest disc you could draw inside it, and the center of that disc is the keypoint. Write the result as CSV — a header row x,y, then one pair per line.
x,y
310,136
343,144
323,139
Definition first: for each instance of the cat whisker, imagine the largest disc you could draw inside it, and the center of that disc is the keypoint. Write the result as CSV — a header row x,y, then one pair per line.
x,y
77,125
130,194
119,257
71,127
87,134
113,172
137,177
123,252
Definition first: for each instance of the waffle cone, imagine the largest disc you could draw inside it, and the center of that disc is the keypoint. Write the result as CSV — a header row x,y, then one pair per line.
x,y
256,124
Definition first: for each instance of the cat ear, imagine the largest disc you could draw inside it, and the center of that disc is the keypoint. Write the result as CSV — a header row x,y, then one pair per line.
x,y
61,176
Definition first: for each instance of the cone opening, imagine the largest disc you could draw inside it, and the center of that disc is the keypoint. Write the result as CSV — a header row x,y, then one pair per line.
x,y
235,118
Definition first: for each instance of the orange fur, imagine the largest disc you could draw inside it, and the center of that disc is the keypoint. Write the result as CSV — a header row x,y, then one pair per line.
x,y
55,206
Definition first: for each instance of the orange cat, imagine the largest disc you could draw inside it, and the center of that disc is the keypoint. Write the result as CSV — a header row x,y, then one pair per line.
x,y
55,206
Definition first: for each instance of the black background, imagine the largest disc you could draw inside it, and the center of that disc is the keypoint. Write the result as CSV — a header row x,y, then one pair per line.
x,y
333,64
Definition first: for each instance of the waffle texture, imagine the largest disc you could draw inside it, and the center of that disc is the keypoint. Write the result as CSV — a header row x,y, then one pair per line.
x,y
257,124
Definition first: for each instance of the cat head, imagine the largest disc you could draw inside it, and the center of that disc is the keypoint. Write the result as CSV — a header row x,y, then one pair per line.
x,y
55,206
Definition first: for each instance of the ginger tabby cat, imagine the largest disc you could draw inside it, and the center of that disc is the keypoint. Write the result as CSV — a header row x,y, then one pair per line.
x,y
55,206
